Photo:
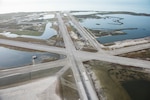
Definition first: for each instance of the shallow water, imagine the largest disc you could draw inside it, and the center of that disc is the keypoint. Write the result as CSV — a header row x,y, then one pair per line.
x,y
134,26
10,58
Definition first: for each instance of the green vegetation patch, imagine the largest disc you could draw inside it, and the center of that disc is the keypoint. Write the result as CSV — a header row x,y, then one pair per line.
x,y
115,80
27,32
67,92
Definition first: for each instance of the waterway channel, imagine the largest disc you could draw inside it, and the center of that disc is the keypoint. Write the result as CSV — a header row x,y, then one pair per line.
x,y
48,33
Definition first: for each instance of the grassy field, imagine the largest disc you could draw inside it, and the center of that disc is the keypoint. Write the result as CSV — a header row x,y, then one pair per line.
x,y
67,92
27,32
115,80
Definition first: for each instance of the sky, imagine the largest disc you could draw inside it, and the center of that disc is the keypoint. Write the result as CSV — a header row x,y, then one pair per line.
x,y
6,6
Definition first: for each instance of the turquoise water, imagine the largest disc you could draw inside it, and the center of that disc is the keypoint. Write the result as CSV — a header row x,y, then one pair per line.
x,y
133,25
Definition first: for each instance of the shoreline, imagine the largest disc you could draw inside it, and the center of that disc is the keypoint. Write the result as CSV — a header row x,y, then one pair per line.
x,y
126,43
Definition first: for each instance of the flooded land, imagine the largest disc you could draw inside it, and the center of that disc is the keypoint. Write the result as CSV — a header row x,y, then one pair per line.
x,y
41,26
119,82
115,26
16,57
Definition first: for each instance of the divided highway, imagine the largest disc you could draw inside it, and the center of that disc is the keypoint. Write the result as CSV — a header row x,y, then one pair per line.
x,y
85,88
31,68
75,58
85,34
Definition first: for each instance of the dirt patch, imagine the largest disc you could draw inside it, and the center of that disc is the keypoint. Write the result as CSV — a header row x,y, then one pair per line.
x,y
142,54
20,79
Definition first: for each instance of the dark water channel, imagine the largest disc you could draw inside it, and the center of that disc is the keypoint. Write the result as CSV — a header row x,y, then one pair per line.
x,y
10,58
138,89
120,82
